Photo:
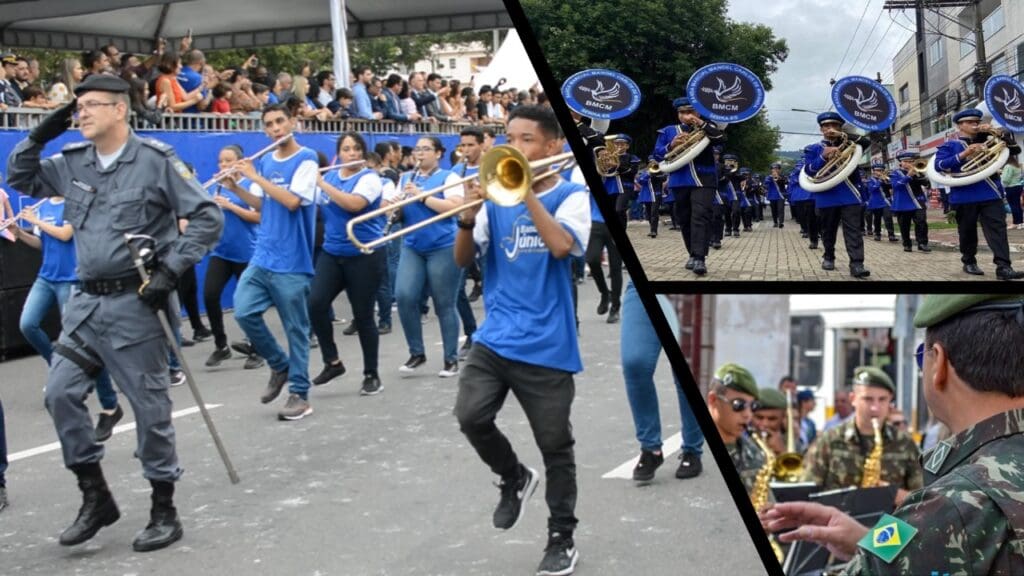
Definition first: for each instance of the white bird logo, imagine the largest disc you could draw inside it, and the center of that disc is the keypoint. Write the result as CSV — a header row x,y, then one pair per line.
x,y
602,94
865,103
726,94
1012,103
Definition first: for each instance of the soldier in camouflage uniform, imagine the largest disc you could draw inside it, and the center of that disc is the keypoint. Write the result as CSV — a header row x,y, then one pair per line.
x,y
836,460
731,399
969,518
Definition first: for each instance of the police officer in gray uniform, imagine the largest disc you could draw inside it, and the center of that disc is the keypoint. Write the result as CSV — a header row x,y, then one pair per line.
x,y
116,183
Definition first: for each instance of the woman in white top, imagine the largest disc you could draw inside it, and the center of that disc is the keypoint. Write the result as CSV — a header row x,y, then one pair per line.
x,y
69,77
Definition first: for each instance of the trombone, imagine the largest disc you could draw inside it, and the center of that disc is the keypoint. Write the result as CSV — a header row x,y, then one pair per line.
x,y
506,177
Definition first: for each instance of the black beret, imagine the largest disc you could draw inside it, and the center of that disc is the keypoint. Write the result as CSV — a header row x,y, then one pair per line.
x,y
103,83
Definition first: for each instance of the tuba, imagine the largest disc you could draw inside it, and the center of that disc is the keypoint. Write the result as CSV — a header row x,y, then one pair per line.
x,y
836,170
789,465
692,144
606,157
872,474
759,491
978,167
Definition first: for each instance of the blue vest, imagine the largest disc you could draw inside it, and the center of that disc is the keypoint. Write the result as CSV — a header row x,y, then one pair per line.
x,y
336,218
438,235
238,240
284,243
58,255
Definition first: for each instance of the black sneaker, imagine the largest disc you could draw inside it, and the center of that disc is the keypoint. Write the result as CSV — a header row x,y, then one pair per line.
x,y
350,330
645,467
177,377
243,347
106,422
217,356
253,361
274,385
202,334
3,498
514,494
560,556
475,293
450,369
413,363
383,329
330,372
464,350
689,466
371,385
613,315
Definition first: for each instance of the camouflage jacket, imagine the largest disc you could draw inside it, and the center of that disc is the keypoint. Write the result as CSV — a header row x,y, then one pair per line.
x,y
836,459
747,458
970,517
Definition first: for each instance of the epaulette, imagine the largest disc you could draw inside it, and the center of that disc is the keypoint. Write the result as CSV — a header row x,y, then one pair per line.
x,y
165,149
75,146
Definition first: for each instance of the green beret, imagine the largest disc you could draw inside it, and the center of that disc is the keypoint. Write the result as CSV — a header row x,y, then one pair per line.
x,y
940,307
738,378
770,398
871,376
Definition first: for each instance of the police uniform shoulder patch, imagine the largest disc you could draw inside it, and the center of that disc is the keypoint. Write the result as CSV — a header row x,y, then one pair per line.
x,y
182,169
75,146
887,538
163,148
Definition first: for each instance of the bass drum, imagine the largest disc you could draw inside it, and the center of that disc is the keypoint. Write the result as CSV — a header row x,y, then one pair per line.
x,y
949,180
667,167
807,183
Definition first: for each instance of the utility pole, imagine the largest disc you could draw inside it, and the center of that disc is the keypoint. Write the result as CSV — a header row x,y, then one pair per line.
x,y
982,70
886,135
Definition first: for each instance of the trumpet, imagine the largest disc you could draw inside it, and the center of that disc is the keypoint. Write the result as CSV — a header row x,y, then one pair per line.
x,y
506,176
232,171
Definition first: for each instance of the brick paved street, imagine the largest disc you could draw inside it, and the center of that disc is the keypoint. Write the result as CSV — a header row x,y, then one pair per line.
x,y
772,254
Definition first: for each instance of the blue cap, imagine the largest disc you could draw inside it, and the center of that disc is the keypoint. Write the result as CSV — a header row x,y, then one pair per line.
x,y
681,102
907,155
877,166
970,113
744,170
730,156
624,137
777,165
804,395
829,117
718,149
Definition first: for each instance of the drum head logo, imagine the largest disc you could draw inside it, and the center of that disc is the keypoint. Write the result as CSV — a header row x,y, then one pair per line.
x,y
601,94
1005,99
864,103
726,92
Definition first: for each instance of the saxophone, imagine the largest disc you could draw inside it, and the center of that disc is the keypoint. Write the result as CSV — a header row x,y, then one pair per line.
x,y
872,474
759,491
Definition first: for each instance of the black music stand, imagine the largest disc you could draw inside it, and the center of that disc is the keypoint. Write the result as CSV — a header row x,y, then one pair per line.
x,y
866,505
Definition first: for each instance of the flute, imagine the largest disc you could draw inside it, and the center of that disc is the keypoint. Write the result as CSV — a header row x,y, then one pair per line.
x,y
397,213
5,224
352,164
230,171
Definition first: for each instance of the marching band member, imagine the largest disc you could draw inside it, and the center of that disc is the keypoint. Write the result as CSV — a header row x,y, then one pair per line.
x,y
471,141
981,200
910,201
427,258
755,194
284,191
528,286
879,191
599,241
232,254
348,192
650,198
802,206
840,204
629,165
717,206
775,184
692,185
727,190
746,211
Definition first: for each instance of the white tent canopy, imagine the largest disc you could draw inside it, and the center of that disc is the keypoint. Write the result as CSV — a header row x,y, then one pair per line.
x,y
510,62
134,25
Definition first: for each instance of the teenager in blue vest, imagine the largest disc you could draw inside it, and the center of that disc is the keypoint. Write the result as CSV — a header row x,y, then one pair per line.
x,y
910,201
231,255
694,184
284,190
979,201
528,342
349,192
471,140
840,204
879,191
775,185
802,205
427,258
52,287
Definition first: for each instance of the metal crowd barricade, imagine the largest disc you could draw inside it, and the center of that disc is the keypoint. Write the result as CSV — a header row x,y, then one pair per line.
x,y
27,118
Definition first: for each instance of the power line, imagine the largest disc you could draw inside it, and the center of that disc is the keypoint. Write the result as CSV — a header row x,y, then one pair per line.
x,y
852,38
868,61
866,40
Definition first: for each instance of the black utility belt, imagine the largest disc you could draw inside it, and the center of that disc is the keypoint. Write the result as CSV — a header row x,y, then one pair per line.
x,y
108,286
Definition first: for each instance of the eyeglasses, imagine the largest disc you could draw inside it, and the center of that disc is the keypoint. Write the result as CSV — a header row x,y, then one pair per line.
x,y
919,356
739,404
423,149
90,106
898,423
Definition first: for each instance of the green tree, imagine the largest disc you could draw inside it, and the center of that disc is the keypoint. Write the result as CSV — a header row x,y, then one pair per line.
x,y
659,44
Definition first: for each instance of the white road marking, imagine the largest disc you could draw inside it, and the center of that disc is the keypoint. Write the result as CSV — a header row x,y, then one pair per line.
x,y
117,430
626,469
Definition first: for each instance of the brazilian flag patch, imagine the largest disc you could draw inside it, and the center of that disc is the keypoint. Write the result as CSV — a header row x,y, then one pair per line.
x,y
888,538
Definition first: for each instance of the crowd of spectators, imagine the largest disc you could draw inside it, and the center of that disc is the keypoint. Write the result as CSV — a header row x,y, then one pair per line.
x,y
182,82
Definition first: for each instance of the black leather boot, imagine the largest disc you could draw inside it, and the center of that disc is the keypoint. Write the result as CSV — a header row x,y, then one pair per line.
x,y
98,507
164,528
602,308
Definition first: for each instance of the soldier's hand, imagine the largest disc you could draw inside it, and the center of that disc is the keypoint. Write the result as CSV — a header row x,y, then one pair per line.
x,y
55,124
813,522
158,288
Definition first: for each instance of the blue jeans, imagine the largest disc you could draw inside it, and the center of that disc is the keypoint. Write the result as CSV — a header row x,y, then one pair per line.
x,y
640,349
259,289
43,296
385,292
415,270
462,304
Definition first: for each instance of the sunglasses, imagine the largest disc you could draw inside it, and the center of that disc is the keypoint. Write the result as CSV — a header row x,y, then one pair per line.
x,y
739,404
919,356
